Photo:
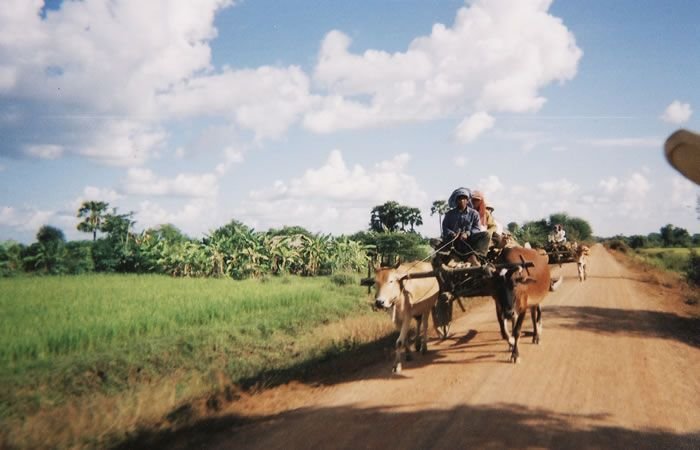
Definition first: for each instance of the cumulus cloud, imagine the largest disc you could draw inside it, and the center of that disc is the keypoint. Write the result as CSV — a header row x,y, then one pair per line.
x,y
471,127
677,113
93,193
334,196
495,57
28,219
188,217
559,187
144,182
44,151
627,142
99,60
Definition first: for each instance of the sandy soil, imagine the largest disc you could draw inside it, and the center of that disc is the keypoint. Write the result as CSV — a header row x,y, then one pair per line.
x,y
618,367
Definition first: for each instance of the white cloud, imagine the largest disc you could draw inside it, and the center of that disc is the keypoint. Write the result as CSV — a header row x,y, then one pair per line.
x,y
333,197
677,113
266,100
610,185
635,142
471,127
93,193
461,161
107,60
45,151
491,184
495,57
145,182
27,218
558,187
232,156
194,218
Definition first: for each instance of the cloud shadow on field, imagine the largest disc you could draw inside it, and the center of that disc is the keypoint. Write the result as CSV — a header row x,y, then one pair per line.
x,y
491,426
640,323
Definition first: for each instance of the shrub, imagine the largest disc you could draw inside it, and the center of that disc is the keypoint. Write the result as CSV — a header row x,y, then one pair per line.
x,y
618,245
692,272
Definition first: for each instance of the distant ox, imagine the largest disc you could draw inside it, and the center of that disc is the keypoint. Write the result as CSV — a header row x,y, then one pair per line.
x,y
516,290
581,257
406,299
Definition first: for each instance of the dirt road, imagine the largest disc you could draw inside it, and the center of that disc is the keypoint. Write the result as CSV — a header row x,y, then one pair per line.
x,y
618,367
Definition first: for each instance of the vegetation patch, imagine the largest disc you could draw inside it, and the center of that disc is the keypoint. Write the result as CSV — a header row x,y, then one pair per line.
x,y
136,348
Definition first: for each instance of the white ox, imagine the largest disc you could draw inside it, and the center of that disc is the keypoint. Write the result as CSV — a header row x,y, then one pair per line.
x,y
407,299
581,257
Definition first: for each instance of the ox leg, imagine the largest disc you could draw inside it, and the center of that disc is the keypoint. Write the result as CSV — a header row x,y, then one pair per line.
x,y
501,322
401,344
515,354
423,335
419,322
536,315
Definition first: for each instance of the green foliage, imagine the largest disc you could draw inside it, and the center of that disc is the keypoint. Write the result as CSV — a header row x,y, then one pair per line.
x,y
692,271
10,258
617,244
78,258
57,332
93,214
406,246
46,256
672,236
394,217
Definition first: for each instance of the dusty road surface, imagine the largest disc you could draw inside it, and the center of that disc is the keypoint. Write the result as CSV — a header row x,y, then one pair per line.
x,y
618,367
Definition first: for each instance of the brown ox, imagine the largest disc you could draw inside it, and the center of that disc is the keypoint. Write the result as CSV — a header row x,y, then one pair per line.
x,y
406,299
516,290
581,253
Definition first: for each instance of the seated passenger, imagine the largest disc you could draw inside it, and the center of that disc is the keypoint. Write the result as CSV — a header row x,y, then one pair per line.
x,y
462,227
486,220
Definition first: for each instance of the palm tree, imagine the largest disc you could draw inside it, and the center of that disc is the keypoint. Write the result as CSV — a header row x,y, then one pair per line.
x,y
94,217
439,207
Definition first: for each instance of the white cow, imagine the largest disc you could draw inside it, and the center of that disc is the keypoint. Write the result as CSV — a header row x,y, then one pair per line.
x,y
406,299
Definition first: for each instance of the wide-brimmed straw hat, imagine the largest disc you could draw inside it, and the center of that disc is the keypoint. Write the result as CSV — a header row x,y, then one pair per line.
x,y
682,151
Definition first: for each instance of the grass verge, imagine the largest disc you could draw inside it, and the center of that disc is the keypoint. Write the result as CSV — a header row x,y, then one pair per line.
x,y
88,361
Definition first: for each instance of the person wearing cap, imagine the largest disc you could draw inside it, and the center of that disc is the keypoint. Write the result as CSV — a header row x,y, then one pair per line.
x,y
462,226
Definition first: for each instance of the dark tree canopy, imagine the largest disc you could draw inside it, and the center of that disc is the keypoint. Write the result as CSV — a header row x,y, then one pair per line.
x,y
392,216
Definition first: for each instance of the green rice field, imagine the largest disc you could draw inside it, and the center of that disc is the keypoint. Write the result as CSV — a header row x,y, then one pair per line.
x,y
62,337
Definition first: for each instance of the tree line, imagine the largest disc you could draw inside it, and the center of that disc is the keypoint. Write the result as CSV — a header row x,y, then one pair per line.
x,y
236,250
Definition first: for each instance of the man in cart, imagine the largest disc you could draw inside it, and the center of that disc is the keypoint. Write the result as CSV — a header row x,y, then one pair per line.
x,y
462,228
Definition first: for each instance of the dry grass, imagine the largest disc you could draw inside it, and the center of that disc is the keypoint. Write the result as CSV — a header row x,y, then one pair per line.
x,y
674,285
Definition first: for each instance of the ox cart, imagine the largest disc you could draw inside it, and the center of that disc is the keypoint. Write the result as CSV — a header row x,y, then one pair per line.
x,y
456,278
560,252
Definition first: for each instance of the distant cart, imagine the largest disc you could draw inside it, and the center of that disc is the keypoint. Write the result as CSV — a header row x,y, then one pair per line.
x,y
560,252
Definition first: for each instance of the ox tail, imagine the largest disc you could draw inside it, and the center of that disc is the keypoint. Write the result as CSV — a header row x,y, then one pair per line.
x,y
554,284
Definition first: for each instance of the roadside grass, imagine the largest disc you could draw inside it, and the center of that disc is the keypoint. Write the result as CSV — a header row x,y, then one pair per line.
x,y
90,359
674,259
665,267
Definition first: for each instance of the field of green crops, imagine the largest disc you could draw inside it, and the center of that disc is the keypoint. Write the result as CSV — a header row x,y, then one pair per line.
x,y
64,337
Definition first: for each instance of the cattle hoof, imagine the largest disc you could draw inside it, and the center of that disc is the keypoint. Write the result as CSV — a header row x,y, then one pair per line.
x,y
396,368
419,345
423,349
515,359
536,340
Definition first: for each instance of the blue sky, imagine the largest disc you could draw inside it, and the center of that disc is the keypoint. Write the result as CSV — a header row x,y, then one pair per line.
x,y
312,112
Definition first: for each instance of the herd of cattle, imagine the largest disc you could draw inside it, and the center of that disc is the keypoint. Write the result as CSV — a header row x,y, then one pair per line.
x,y
515,291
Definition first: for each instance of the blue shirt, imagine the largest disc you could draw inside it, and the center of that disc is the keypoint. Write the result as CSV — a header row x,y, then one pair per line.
x,y
456,221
